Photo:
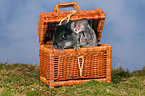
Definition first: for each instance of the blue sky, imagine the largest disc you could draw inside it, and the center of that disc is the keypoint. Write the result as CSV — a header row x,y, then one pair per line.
x,y
124,29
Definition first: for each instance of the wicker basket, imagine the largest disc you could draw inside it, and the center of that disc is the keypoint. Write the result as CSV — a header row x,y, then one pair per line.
x,y
71,67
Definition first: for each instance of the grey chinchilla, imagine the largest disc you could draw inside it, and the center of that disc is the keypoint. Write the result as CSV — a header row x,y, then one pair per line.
x,y
74,34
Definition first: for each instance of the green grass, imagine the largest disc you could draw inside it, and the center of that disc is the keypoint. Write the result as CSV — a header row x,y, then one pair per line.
x,y
23,80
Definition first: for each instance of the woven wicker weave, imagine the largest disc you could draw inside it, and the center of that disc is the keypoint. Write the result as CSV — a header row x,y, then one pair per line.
x,y
58,68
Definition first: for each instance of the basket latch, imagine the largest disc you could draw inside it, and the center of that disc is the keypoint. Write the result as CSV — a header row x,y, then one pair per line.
x,y
81,64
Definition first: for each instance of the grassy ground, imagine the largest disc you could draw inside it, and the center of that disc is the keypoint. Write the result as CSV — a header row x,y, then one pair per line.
x,y
23,80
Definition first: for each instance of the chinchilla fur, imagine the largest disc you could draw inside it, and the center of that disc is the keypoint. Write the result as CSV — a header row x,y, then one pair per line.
x,y
74,34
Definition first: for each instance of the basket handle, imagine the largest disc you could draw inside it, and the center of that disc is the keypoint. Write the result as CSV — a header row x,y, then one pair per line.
x,y
64,5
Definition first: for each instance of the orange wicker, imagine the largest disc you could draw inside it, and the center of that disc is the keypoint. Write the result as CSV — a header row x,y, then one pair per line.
x,y
71,67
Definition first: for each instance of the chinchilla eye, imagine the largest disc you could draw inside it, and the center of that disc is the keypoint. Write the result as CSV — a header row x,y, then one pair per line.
x,y
64,36
77,29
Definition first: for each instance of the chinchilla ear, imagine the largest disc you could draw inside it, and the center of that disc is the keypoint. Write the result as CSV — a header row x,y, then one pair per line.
x,y
82,22
80,25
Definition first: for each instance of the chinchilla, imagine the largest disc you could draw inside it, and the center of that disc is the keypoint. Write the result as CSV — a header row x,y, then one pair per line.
x,y
74,34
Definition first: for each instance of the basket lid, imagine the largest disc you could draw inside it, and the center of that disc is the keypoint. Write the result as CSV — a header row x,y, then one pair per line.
x,y
97,16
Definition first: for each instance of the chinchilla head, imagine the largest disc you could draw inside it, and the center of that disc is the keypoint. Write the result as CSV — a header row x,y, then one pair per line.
x,y
86,36
79,26
63,37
